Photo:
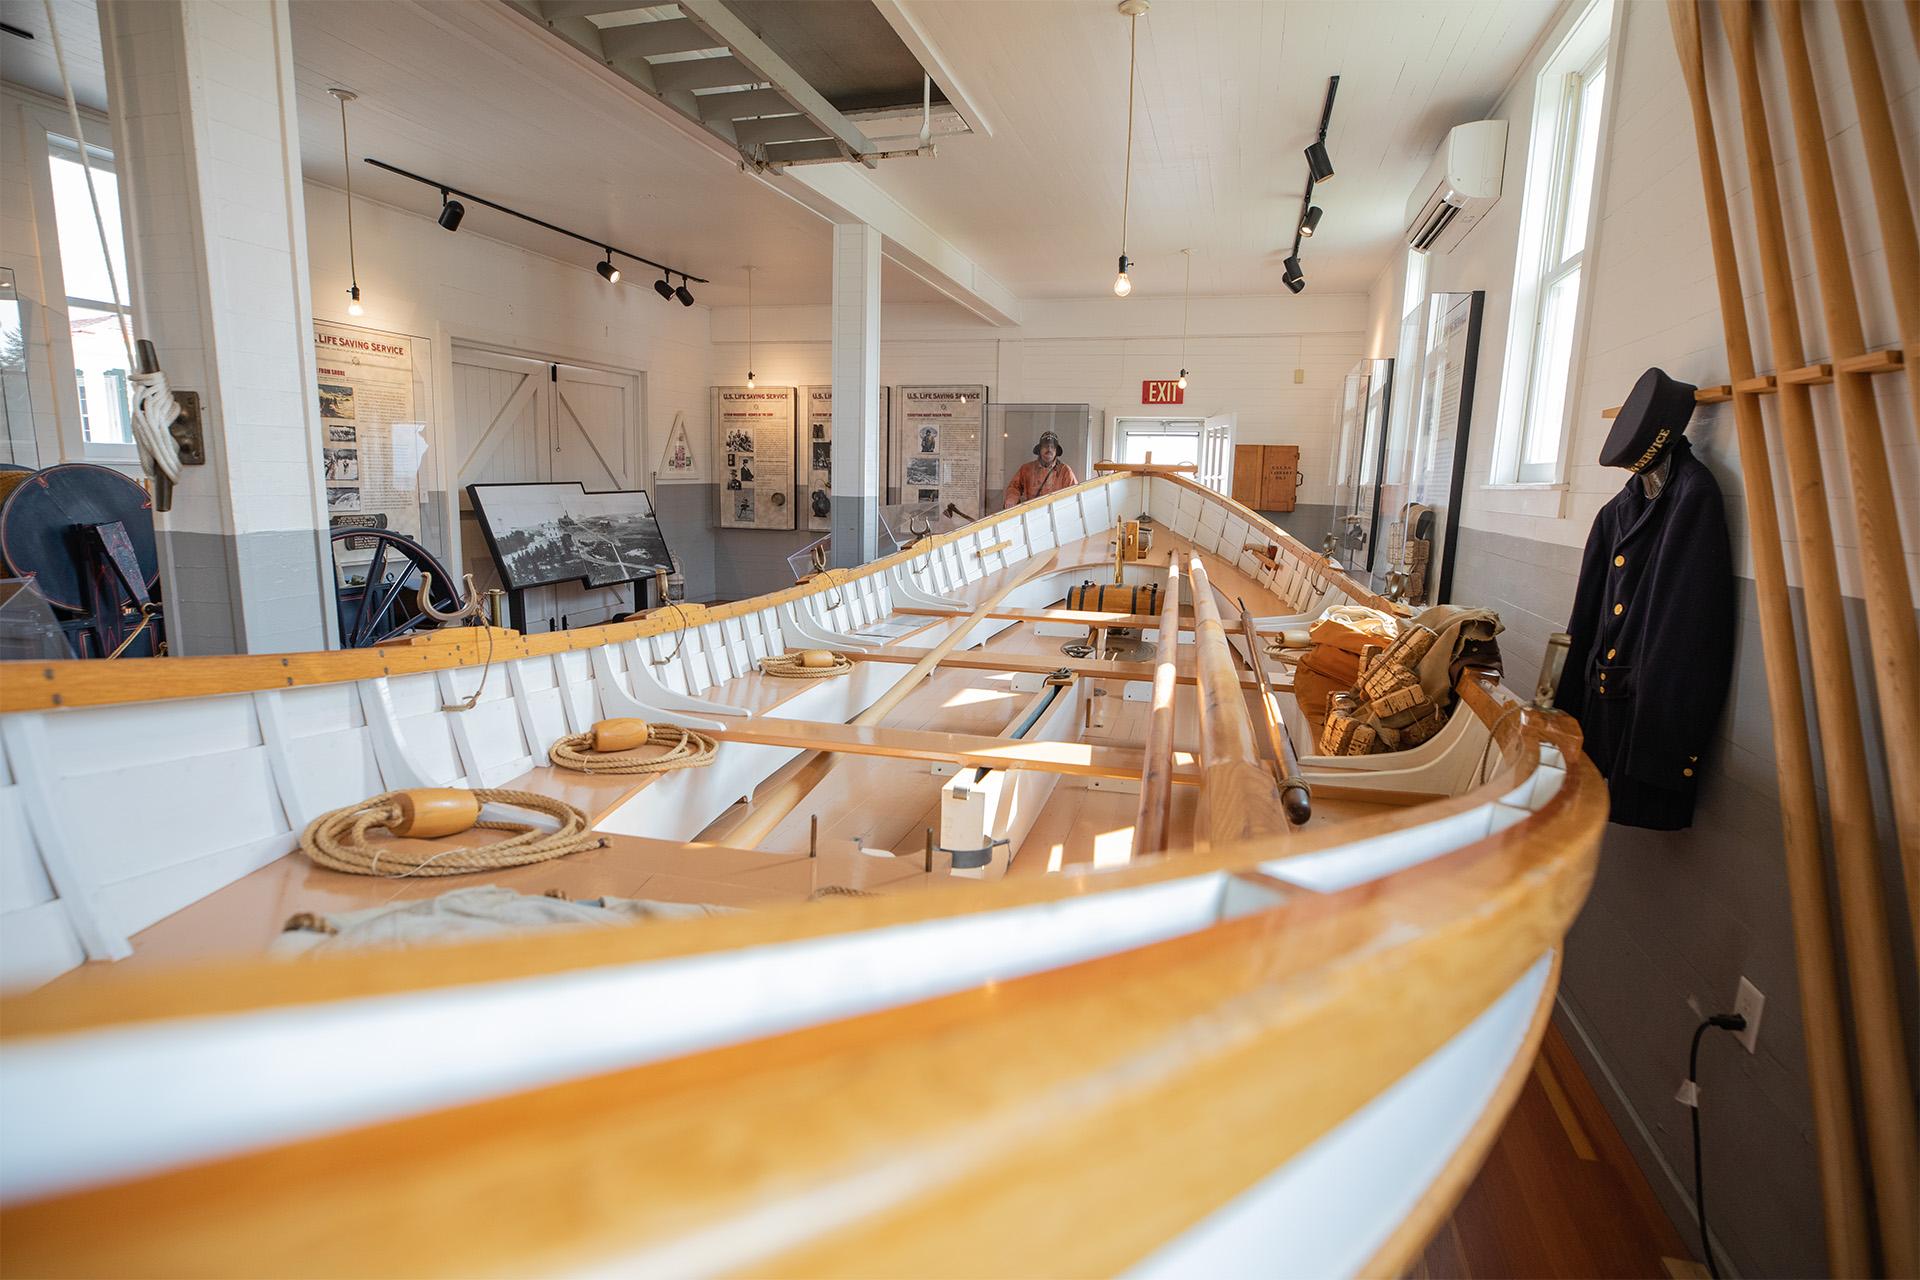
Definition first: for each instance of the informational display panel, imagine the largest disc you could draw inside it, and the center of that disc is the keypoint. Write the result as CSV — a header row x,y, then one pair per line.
x,y
1420,501
374,425
817,463
939,447
754,441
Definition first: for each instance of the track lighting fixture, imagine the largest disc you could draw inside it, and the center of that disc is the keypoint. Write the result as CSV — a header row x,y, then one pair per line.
x,y
1294,283
1132,9
1310,223
452,211
1318,162
1292,265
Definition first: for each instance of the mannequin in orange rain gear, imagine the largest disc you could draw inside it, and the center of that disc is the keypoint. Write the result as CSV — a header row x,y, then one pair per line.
x,y
1046,474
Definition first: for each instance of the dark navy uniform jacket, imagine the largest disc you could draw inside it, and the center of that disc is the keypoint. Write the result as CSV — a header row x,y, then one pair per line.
x,y
1652,653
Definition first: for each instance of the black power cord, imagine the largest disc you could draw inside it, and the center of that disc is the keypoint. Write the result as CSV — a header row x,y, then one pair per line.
x,y
1725,1022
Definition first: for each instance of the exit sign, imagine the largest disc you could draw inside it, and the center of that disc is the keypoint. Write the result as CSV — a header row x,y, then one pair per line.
x,y
1162,391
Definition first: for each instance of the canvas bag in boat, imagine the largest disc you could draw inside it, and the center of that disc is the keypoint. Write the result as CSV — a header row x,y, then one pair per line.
x,y
1332,662
1111,597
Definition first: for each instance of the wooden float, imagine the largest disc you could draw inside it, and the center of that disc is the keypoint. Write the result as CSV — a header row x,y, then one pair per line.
x,y
1230,1042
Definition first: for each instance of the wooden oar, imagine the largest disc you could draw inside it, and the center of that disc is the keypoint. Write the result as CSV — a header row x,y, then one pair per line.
x,y
1899,242
1296,797
769,810
1156,773
1877,1028
1883,562
1239,795
1842,1186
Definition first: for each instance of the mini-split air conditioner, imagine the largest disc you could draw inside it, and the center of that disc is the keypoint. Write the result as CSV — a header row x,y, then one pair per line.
x,y
1458,188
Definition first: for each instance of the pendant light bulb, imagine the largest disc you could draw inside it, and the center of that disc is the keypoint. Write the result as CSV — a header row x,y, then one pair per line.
x,y
353,302
749,379
1131,9
1183,379
1123,283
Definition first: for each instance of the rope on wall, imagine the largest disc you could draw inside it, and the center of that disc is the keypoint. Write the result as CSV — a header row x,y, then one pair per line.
x,y
339,839
808,664
596,752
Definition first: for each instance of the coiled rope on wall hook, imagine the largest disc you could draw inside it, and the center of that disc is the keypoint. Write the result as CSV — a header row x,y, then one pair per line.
x,y
339,839
611,747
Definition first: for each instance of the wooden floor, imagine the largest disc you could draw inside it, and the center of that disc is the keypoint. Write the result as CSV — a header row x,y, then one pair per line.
x,y
1559,1196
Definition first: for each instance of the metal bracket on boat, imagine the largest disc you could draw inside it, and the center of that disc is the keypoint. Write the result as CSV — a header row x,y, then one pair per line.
x,y
801,624
616,701
972,859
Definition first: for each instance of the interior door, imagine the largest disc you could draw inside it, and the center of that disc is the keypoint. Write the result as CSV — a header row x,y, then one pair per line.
x,y
518,420
595,440
502,421
1216,452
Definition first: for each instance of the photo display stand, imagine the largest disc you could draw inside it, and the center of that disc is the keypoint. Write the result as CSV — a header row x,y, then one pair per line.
x,y
816,459
543,534
940,449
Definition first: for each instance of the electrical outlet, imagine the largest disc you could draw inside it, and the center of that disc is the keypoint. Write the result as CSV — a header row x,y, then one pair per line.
x,y
1748,1003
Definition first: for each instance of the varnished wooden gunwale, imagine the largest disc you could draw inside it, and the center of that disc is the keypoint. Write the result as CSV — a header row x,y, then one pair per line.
x,y
601,1168
44,686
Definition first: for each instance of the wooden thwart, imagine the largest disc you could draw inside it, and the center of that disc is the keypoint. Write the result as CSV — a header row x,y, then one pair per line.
x,y
1088,760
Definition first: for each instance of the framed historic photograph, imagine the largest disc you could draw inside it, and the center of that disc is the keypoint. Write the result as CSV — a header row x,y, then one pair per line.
x,y
541,534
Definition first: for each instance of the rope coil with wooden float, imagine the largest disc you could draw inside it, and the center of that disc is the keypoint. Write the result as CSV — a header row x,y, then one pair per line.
x,y
806,664
615,746
339,839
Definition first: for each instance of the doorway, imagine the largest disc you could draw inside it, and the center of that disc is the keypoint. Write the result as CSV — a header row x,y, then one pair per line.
x,y
521,420
1205,443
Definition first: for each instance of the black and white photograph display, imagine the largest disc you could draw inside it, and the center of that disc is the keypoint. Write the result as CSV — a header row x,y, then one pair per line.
x,y
941,445
546,533
756,428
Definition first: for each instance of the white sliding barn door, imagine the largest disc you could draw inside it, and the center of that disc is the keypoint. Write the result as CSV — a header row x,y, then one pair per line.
x,y
518,420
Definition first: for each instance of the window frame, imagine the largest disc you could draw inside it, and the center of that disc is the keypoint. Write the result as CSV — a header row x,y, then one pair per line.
x,y
58,145
1543,260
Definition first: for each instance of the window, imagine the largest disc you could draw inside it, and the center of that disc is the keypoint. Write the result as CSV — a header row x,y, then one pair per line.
x,y
1562,158
97,325
1169,441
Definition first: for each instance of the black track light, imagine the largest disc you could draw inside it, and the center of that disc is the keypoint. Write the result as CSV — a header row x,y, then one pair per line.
x,y
608,272
1310,223
664,288
1292,271
683,293
451,211
1294,283
1318,162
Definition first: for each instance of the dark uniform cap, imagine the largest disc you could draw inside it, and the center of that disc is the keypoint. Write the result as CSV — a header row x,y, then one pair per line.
x,y
1655,415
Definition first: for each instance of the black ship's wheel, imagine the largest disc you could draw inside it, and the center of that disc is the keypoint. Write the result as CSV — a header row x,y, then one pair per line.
x,y
384,601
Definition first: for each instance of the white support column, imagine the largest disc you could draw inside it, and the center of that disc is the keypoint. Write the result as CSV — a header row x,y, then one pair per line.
x,y
857,482
207,144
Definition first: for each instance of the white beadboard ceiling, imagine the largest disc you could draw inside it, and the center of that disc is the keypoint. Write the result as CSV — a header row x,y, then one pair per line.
x,y
1229,93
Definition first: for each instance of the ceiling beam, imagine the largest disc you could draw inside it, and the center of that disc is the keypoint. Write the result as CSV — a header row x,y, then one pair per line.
x,y
772,129
754,52
927,54
703,73
655,39
743,104
554,10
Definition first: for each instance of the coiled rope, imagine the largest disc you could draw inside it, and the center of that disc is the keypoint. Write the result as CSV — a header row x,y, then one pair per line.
x,y
686,749
792,666
339,839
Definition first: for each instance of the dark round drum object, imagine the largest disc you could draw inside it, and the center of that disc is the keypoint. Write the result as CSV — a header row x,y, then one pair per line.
x,y
384,604
43,529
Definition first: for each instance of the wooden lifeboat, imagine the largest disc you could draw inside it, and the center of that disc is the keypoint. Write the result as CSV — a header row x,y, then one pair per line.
x,y
1031,965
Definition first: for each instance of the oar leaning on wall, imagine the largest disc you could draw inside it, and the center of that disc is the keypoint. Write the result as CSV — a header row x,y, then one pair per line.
x,y
1890,1131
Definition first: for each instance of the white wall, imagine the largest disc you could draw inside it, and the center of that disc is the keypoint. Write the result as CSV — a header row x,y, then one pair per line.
x,y
1243,354
1649,272
419,279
